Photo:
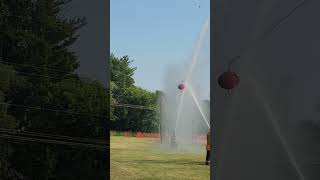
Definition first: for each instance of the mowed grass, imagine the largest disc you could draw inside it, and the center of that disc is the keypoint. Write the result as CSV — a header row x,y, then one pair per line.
x,y
138,158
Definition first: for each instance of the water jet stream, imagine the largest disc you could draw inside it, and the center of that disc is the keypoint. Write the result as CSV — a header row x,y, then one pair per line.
x,y
198,105
193,62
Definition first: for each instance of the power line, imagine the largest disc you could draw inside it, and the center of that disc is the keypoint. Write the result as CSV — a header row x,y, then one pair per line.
x,y
111,104
67,73
285,18
77,113
32,74
39,75
48,77
45,135
61,142
132,106
33,66
53,110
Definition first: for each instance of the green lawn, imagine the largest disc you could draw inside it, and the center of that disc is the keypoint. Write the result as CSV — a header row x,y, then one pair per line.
x,y
135,158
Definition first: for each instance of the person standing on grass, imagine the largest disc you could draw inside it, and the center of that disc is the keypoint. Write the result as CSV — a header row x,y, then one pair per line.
x,y
208,147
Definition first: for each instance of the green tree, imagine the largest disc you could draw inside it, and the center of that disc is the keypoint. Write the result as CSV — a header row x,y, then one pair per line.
x,y
121,74
124,91
121,79
141,119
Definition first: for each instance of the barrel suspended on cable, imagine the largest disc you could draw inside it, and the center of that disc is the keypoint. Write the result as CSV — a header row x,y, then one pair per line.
x,y
229,79
181,87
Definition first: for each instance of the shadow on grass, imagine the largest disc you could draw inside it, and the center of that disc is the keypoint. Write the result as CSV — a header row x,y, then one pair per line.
x,y
166,162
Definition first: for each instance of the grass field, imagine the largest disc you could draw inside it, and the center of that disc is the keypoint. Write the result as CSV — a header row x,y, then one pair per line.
x,y
138,158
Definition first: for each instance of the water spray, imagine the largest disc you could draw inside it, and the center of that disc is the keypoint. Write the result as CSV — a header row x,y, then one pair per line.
x,y
193,62
198,105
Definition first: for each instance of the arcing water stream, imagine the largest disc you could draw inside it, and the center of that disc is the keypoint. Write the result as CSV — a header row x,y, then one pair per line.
x,y
185,113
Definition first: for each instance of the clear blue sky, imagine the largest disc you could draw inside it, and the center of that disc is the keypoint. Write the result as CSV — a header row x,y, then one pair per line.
x,y
155,33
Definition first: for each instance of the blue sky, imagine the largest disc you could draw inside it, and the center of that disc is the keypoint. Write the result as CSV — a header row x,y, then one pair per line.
x,y
155,34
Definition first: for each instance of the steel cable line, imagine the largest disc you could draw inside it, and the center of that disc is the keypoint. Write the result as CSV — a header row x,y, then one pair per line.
x,y
53,110
44,76
77,113
70,112
46,135
32,74
50,77
111,104
285,18
33,66
61,142
66,73
132,106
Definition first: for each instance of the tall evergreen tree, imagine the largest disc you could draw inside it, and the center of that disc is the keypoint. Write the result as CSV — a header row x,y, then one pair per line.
x,y
35,40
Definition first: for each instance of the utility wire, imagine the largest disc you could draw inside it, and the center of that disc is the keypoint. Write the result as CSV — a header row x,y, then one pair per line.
x,y
53,110
111,104
48,77
66,73
61,142
132,106
33,66
285,18
77,113
45,135
32,74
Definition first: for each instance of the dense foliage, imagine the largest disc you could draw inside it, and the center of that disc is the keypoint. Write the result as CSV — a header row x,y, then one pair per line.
x,y
124,91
